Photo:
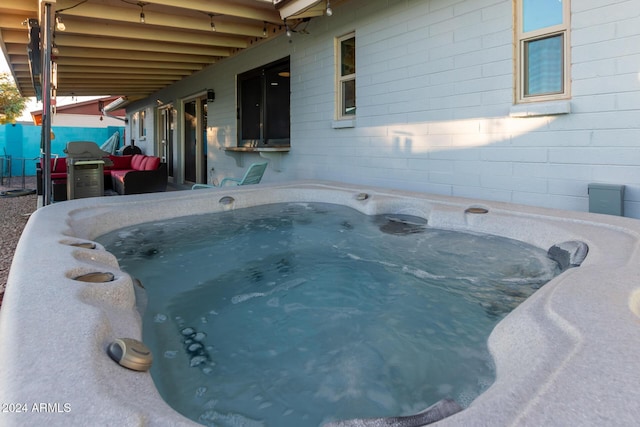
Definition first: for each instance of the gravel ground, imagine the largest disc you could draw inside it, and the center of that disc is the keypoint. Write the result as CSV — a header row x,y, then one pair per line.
x,y
14,213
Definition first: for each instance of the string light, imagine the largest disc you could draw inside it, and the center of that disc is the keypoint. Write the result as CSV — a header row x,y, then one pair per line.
x,y
142,4
286,26
60,23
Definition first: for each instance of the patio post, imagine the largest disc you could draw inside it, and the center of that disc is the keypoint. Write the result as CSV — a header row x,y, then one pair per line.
x,y
46,30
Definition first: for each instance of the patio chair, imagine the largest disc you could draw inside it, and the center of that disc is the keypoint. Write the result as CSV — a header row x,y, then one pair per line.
x,y
253,175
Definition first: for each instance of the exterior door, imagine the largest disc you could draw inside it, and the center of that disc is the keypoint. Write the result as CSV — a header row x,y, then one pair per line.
x,y
202,163
190,140
195,140
166,139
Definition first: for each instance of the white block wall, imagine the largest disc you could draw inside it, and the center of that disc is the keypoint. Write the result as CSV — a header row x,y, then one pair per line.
x,y
434,96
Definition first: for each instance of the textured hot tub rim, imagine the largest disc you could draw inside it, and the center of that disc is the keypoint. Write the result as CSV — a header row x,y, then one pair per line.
x,y
567,355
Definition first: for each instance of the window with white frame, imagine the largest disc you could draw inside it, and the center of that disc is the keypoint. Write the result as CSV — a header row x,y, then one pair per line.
x,y
542,54
346,76
142,125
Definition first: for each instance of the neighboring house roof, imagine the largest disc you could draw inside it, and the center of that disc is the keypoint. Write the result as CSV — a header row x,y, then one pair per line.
x,y
89,108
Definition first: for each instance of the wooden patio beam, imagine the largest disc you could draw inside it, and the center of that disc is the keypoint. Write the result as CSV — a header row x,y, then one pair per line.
x,y
131,16
148,32
139,45
224,7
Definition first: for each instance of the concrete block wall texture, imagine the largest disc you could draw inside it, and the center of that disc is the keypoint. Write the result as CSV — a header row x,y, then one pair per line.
x,y
435,95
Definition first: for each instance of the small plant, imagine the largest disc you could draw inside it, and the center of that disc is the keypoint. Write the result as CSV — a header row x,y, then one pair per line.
x,y
12,104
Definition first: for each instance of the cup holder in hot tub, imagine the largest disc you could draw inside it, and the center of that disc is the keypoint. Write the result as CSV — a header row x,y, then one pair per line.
x,y
84,245
96,277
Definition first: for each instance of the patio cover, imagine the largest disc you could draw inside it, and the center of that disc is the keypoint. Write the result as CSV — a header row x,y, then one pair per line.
x,y
105,49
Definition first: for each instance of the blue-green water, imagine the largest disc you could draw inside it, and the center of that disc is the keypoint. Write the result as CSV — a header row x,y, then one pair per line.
x,y
299,314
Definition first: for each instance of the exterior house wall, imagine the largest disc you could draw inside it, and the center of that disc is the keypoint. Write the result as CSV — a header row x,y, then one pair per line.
x,y
142,136
435,106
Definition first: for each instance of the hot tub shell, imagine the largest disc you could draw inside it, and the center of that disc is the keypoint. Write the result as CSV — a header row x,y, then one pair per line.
x,y
567,356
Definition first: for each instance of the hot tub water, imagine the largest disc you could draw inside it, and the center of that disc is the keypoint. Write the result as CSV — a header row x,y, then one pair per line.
x,y
297,314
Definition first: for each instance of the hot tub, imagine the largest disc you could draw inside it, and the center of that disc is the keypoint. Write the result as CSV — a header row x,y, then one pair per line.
x,y
567,356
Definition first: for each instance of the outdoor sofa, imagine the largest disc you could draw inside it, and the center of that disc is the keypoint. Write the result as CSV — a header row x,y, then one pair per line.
x,y
131,174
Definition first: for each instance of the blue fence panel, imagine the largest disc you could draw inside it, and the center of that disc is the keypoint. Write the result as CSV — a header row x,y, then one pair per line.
x,y
22,143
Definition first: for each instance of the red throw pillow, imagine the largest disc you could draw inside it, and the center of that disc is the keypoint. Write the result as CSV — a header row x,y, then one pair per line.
x,y
137,161
152,164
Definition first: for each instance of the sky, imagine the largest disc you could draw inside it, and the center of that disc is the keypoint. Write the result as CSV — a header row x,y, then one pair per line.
x,y
4,68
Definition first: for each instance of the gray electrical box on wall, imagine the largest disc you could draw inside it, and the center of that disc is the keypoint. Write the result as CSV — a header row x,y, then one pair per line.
x,y
606,199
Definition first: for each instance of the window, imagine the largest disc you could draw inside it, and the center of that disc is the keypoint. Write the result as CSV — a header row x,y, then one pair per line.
x,y
346,76
263,106
142,126
542,32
